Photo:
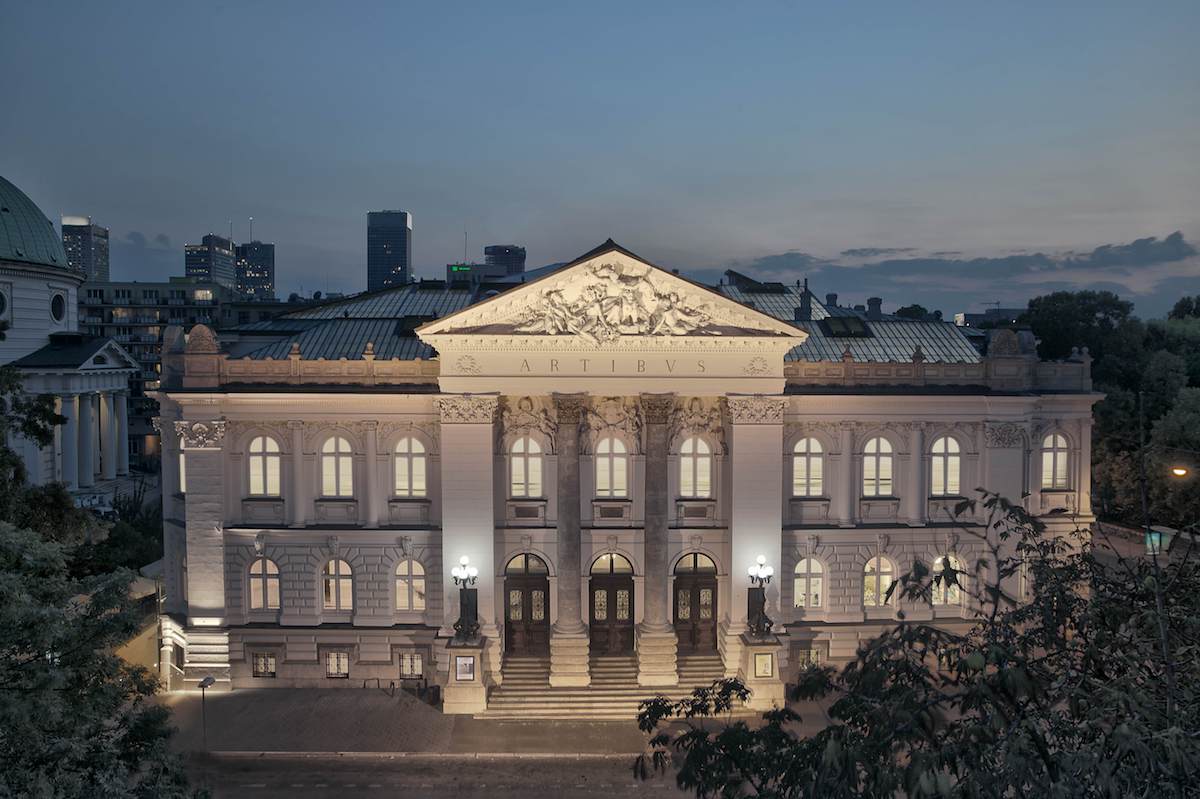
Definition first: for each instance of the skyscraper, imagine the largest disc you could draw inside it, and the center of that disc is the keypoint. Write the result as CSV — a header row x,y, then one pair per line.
x,y
510,256
213,260
389,248
86,245
256,270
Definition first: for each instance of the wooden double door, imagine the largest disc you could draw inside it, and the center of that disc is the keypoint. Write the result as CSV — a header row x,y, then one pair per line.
x,y
611,614
695,608
526,614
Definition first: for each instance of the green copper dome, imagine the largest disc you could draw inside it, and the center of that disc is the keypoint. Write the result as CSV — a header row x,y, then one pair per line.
x,y
26,235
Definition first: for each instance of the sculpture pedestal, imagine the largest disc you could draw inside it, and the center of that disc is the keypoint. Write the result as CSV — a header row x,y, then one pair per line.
x,y
656,656
569,659
760,671
466,689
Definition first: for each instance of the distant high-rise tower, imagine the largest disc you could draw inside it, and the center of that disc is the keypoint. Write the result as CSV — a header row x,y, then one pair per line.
x,y
87,247
213,260
510,256
256,270
389,248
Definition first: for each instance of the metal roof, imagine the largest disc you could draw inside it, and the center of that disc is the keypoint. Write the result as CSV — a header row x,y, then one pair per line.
x,y
891,341
26,235
433,298
348,338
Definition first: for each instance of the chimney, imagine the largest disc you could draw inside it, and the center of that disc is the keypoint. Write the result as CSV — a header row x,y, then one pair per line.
x,y
804,312
831,300
874,308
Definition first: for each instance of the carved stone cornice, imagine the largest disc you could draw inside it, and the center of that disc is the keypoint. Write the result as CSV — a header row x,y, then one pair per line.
x,y
1005,435
756,409
658,407
467,409
201,435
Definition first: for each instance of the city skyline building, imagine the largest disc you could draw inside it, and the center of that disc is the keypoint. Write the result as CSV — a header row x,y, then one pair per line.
x,y
389,249
256,269
86,246
213,259
509,256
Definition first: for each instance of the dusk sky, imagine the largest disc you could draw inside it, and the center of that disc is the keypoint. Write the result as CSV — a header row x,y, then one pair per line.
x,y
767,137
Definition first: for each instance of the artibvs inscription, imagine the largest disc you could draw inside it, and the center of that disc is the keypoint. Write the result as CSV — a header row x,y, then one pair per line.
x,y
613,366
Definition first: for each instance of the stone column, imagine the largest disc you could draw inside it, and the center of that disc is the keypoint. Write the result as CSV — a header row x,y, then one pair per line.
x,y
569,637
915,494
1083,481
70,441
122,398
468,513
108,437
756,518
846,483
656,644
371,517
86,444
297,503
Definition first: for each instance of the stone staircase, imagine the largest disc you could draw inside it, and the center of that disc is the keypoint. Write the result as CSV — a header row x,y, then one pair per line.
x,y
612,696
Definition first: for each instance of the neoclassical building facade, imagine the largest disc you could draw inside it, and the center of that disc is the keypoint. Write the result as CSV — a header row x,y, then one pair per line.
x,y
611,446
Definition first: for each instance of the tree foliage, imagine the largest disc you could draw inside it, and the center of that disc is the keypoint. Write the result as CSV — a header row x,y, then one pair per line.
x,y
1089,689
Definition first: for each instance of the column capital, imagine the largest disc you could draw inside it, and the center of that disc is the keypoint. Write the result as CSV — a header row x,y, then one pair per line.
x,y
658,407
201,435
295,424
468,408
756,409
569,408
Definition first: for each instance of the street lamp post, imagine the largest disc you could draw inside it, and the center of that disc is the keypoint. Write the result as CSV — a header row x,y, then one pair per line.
x,y
466,628
205,684
756,598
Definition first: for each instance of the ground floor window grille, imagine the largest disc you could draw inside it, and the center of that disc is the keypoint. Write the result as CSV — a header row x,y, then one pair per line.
x,y
808,657
411,666
337,665
264,664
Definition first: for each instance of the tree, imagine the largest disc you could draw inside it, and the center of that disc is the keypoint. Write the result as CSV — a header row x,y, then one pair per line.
x,y
913,311
1089,689
1176,437
1186,308
1098,320
74,717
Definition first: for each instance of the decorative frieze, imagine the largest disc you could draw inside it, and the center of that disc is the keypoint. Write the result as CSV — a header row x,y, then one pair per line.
x,y
756,409
524,418
467,409
1006,435
696,417
610,414
201,435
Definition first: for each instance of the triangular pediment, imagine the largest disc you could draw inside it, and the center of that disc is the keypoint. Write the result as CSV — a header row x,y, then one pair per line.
x,y
607,295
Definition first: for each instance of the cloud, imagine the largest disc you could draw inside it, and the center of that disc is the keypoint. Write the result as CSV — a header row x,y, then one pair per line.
x,y
137,257
875,252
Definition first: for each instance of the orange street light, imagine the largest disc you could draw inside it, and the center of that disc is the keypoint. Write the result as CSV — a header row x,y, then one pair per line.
x,y
1179,471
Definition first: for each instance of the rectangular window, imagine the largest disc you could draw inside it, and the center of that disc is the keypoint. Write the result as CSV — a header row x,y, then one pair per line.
x,y
687,486
418,476
264,664
411,665
535,477
329,486
337,665
182,474
703,478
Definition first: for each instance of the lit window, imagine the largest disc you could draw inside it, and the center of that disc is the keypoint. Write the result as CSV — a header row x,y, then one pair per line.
x,y
264,584
695,468
410,468
338,582
337,468
337,665
525,467
264,467
945,592
945,463
808,469
264,664
612,468
1054,462
808,584
877,468
877,579
182,473
412,665
410,585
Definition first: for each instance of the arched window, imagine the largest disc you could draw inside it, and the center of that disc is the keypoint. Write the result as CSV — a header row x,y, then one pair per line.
x,y
877,579
877,468
944,592
695,563
695,468
264,584
410,468
338,584
1054,462
264,467
525,468
182,472
337,468
809,584
612,563
410,585
808,469
946,465
612,468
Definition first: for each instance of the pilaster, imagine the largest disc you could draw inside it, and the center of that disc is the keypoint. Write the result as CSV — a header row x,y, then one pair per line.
x,y
915,504
297,502
569,637
372,498
657,645
846,484
202,443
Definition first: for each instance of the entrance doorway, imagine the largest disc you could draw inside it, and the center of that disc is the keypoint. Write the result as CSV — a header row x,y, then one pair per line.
x,y
526,597
611,611
695,601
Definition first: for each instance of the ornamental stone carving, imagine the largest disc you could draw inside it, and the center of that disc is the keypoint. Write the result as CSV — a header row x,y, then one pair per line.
x,y
1004,436
756,410
613,300
201,435
695,417
526,417
570,408
615,413
201,341
757,367
658,408
467,365
467,409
